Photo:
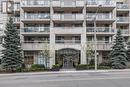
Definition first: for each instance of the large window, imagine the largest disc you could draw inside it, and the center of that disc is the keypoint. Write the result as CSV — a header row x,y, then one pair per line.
x,y
43,60
1,39
28,60
0,61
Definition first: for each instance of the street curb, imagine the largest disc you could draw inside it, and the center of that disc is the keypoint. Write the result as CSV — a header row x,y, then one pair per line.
x,y
62,72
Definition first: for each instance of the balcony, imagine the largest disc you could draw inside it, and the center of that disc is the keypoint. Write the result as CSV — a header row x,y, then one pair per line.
x,y
68,17
100,2
100,30
101,46
16,20
35,17
68,3
17,7
35,3
100,17
122,20
68,41
35,30
107,5
34,45
125,32
68,30
122,6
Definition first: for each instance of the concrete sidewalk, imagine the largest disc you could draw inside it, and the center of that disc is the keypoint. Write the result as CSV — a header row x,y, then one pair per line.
x,y
61,72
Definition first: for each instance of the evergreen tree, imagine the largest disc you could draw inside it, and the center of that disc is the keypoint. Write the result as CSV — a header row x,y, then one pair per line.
x,y
128,50
12,56
118,56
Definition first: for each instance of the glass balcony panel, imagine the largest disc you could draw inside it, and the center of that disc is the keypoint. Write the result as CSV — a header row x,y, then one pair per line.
x,y
16,19
35,2
36,29
100,2
124,31
122,19
99,16
37,16
122,6
100,29
68,41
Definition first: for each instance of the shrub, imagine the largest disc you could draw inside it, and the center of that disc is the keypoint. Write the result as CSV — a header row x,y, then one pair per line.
x,y
92,62
56,67
104,67
37,67
105,64
34,66
90,67
81,67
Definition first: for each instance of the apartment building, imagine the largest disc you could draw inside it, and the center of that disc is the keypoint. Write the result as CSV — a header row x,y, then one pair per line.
x,y
66,27
2,27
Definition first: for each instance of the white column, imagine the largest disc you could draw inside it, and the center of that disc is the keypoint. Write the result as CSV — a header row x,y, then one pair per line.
x,y
52,39
83,39
52,49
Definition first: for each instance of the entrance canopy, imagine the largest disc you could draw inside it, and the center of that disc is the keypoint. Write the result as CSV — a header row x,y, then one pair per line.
x,y
68,51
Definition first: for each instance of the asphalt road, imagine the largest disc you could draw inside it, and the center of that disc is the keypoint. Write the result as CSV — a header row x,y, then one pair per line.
x,y
78,79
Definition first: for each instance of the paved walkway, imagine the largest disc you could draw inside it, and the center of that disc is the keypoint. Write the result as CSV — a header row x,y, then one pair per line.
x,y
61,72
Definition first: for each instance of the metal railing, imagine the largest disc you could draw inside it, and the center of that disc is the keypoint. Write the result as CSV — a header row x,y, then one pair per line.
x,y
36,29
16,19
68,16
99,16
122,6
68,3
102,45
46,41
16,6
35,3
122,19
100,29
68,41
125,31
71,27
99,42
100,2
36,16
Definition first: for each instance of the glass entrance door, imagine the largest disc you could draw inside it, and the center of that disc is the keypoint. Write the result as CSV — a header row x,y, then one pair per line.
x,y
67,62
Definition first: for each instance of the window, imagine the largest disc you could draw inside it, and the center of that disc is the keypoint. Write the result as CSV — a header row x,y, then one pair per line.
x,y
90,38
1,40
28,60
0,61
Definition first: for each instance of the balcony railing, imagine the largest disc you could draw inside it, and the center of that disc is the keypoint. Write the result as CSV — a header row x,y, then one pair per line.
x,y
30,3
68,3
99,16
16,19
70,27
102,45
122,19
34,46
68,41
125,31
36,16
100,2
16,6
68,17
122,6
36,29
100,29
47,41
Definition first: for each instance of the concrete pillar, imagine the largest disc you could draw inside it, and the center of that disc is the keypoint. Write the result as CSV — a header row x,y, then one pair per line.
x,y
83,39
52,38
99,57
